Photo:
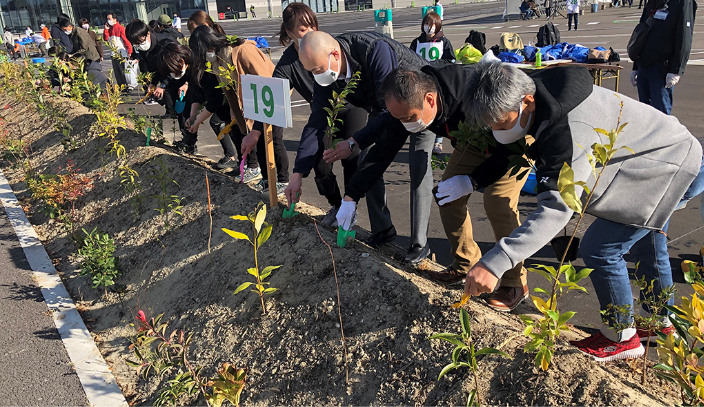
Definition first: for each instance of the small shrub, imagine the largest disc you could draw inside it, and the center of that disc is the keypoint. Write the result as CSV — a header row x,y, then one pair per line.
x,y
98,259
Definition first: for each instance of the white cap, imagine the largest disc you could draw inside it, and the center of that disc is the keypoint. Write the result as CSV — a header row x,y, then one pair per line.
x,y
42,26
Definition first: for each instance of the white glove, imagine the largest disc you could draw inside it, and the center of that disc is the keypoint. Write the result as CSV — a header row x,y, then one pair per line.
x,y
453,189
347,214
634,78
671,80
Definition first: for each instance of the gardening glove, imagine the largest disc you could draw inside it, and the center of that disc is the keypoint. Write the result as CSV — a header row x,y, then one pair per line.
x,y
454,188
634,78
347,214
671,80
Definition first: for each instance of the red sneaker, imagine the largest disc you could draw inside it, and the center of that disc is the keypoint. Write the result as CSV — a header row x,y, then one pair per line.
x,y
643,334
603,349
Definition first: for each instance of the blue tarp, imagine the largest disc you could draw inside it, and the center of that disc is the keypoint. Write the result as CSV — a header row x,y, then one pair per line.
x,y
261,42
511,57
562,50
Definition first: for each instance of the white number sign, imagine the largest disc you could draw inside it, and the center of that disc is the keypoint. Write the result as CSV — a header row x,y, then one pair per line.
x,y
267,100
430,51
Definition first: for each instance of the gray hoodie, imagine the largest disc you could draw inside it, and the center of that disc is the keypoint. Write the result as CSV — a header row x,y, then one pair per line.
x,y
638,190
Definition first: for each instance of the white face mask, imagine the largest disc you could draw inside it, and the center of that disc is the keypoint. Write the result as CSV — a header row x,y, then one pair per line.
x,y
211,57
516,132
111,22
328,77
144,46
418,125
85,26
183,72
429,30
68,32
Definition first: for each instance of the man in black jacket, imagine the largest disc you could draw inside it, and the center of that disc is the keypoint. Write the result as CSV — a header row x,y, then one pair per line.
x,y
666,51
333,61
167,28
434,96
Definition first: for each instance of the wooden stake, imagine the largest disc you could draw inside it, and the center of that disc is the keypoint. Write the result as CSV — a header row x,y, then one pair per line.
x,y
270,165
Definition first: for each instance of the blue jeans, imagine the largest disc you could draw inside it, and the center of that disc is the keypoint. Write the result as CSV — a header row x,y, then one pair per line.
x,y
606,243
651,88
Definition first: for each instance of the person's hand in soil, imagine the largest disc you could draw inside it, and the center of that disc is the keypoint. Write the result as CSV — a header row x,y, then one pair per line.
x,y
293,190
193,128
340,152
250,141
479,280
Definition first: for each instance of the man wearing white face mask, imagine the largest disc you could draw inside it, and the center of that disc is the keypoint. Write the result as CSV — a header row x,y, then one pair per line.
x,y
333,61
433,98
635,197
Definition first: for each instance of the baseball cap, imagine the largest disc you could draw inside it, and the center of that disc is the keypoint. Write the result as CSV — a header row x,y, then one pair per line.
x,y
164,19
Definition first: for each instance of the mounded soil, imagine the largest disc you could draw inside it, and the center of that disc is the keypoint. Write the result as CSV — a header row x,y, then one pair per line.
x,y
293,352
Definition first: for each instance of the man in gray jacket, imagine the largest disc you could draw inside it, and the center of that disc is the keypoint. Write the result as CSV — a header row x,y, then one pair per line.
x,y
635,197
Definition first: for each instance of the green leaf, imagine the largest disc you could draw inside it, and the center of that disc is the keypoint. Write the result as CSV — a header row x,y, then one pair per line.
x,y
270,290
265,273
446,369
243,286
452,338
464,319
564,317
456,354
552,315
259,220
253,271
471,398
542,273
528,330
239,217
540,290
237,235
533,345
527,320
582,274
491,351
264,235
565,184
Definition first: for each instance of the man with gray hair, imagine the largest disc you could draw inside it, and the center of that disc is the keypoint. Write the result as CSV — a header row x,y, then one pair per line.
x,y
635,197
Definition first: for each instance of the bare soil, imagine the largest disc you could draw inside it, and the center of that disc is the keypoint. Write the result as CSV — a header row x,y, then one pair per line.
x,y
294,351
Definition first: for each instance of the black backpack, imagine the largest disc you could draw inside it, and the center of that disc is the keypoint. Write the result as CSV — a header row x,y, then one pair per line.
x,y
548,35
477,40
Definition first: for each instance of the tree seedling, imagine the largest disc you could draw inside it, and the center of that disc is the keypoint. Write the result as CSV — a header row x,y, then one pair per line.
x,y
262,232
465,344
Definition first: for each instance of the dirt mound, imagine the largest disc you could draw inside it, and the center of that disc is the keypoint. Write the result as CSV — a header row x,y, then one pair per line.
x,y
293,352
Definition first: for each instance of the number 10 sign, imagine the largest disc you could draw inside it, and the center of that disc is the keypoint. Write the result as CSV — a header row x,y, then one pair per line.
x,y
267,100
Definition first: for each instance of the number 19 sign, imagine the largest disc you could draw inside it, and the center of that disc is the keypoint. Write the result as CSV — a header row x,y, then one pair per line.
x,y
267,100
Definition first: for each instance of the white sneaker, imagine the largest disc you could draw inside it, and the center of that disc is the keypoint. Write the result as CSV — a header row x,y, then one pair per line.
x,y
251,174
437,148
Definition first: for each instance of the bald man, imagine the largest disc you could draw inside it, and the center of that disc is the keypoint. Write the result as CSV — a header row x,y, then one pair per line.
x,y
333,61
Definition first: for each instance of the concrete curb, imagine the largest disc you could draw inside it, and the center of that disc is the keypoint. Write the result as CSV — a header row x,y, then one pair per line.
x,y
97,380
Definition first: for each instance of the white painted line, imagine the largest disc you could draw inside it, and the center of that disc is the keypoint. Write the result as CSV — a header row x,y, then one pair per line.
x,y
496,28
97,380
534,25
593,22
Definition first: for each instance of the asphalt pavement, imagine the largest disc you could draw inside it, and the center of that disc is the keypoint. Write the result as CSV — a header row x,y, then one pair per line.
x,y
34,366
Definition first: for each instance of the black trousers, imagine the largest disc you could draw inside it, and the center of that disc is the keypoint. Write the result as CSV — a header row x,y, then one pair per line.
x,y
280,155
353,120
569,20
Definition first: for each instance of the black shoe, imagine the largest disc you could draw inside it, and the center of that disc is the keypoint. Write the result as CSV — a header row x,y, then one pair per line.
x,y
185,148
416,254
227,162
381,238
